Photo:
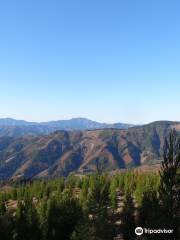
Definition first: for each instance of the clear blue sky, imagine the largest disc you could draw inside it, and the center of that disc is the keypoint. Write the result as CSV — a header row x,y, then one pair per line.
x,y
115,60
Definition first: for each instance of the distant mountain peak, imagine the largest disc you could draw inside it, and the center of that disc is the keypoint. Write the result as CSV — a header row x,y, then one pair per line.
x,y
13,127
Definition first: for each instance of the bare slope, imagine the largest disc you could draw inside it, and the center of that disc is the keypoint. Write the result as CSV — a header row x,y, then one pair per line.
x,y
62,152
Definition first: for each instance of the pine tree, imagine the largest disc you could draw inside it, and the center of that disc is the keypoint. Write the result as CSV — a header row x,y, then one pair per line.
x,y
43,218
63,215
84,230
27,224
169,192
2,208
98,205
6,223
149,213
113,193
128,218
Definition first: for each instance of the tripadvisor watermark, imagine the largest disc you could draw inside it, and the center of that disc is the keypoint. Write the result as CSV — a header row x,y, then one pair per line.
x,y
140,231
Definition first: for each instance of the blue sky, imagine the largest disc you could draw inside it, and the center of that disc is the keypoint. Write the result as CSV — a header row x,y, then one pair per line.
x,y
115,60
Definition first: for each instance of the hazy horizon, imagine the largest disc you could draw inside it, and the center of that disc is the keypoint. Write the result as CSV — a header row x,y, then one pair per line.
x,y
100,121
109,61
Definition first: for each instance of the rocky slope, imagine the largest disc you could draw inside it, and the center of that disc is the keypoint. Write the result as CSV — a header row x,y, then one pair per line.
x,y
62,152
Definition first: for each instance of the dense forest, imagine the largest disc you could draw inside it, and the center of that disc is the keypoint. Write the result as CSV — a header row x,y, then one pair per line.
x,y
99,206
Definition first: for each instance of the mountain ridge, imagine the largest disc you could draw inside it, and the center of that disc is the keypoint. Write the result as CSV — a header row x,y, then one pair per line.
x,y
62,152
12,127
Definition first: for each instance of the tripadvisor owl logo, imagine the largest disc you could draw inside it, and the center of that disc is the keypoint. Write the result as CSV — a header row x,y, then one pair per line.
x,y
139,231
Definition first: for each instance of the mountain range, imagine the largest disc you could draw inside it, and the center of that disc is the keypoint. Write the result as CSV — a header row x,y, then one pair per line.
x,y
17,128
62,152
